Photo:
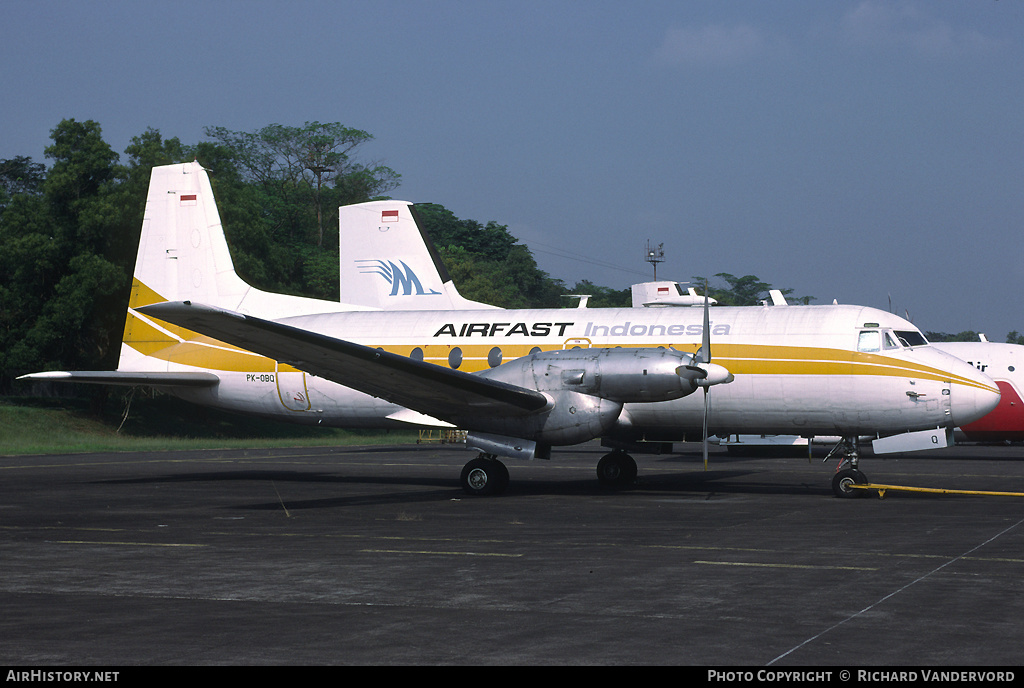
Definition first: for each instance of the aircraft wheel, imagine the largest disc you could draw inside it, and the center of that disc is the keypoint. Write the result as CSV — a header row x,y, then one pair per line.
x,y
843,479
616,470
482,477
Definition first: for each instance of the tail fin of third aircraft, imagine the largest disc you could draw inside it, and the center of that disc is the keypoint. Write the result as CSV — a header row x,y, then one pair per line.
x,y
659,294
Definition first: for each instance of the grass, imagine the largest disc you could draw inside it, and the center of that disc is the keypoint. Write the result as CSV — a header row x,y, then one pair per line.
x,y
98,424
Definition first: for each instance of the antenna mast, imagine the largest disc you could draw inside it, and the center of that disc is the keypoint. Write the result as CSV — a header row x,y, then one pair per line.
x,y
654,256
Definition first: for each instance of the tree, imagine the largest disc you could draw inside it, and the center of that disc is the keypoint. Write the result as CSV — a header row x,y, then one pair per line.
x,y
492,241
61,291
744,291
19,175
487,263
603,297
278,189
304,161
965,336
84,167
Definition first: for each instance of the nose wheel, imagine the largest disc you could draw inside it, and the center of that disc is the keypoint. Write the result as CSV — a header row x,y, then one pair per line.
x,y
847,473
843,481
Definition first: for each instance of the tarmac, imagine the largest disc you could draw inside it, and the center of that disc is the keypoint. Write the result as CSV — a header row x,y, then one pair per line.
x,y
374,556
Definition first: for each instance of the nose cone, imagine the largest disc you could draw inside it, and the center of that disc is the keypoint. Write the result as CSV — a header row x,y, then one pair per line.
x,y
974,395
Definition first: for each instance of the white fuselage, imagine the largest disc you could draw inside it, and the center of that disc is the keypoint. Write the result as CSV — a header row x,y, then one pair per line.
x,y
797,370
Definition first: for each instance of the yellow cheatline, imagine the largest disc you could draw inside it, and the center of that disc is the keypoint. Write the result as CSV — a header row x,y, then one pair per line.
x,y
204,352
178,345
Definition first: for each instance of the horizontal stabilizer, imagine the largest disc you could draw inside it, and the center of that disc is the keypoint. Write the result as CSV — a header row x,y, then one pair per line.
x,y
115,377
430,389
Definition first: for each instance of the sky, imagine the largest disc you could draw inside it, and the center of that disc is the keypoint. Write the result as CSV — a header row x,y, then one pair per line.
x,y
868,152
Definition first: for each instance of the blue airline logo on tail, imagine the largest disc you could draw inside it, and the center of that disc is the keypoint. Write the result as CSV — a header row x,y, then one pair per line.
x,y
402,279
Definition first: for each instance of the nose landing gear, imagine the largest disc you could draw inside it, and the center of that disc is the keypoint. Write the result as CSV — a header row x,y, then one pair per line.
x,y
847,473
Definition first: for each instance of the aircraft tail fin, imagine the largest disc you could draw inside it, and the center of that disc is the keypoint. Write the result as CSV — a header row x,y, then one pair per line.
x,y
183,256
182,251
388,262
661,294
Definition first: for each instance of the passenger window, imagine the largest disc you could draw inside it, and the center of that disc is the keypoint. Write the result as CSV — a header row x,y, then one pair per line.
x,y
869,341
494,357
455,358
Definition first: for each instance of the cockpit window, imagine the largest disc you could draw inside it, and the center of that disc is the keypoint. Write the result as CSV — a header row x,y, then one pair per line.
x,y
869,341
888,342
911,338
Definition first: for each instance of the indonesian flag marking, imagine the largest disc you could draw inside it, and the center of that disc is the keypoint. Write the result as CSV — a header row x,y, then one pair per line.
x,y
389,216
662,290
188,199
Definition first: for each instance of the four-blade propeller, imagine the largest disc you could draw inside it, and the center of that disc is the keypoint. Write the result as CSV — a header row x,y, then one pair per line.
x,y
707,373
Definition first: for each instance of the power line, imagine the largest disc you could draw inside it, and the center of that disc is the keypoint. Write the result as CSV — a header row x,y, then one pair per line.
x,y
561,253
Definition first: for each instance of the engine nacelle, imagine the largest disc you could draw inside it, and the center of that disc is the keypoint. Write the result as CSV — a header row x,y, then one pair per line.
x,y
587,389
571,418
619,375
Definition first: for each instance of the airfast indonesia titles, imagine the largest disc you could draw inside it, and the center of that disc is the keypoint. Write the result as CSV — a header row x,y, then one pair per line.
x,y
503,329
592,329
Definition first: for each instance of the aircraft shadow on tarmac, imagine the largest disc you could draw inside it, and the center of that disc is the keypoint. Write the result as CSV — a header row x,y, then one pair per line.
x,y
690,481
447,485
679,474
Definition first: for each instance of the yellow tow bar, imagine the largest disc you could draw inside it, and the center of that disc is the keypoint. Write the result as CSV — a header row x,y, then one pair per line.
x,y
903,488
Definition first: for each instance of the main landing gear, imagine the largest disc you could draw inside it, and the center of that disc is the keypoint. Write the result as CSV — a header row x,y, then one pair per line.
x,y
616,470
847,473
484,475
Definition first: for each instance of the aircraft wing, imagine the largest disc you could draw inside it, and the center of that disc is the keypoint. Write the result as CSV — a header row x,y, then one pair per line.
x,y
424,387
118,377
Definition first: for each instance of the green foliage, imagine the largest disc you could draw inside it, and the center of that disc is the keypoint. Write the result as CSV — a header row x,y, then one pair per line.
x,y
62,237
20,175
1014,337
309,168
487,263
602,297
84,169
492,242
279,189
748,290
965,336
